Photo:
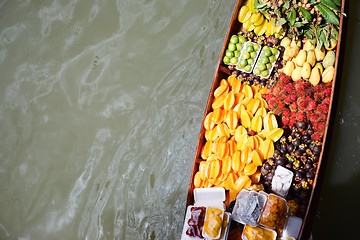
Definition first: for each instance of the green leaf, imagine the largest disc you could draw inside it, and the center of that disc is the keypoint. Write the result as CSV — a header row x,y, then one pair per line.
x,y
334,34
286,4
305,14
291,16
298,24
330,4
282,21
328,14
337,2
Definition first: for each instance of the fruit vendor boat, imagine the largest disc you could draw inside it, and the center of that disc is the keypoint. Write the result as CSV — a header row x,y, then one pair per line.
x,y
268,121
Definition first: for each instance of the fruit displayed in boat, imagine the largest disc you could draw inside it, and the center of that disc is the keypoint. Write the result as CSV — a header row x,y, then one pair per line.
x,y
329,59
328,74
213,223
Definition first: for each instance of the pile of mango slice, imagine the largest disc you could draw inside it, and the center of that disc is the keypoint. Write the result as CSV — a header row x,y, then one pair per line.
x,y
240,133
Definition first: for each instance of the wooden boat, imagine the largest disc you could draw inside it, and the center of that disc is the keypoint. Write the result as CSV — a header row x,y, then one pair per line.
x,y
223,72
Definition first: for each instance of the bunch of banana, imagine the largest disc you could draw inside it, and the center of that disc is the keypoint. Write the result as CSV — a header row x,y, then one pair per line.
x,y
259,23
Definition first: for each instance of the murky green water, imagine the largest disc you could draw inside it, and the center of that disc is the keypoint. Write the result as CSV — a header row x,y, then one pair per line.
x,y
101,104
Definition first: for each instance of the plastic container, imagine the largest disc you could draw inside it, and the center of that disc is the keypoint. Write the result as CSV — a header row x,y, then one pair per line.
x,y
281,181
208,197
213,215
292,227
248,207
270,60
254,233
248,56
275,213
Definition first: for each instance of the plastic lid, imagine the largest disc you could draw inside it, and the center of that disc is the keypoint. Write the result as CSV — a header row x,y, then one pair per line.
x,y
209,196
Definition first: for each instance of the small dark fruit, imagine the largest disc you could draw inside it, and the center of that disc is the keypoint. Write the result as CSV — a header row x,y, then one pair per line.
x,y
276,154
281,48
245,75
316,149
281,161
269,44
301,125
296,142
290,148
267,166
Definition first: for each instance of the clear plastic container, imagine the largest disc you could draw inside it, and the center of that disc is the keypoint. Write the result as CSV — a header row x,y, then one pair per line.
x,y
248,207
275,213
292,227
281,181
267,59
248,56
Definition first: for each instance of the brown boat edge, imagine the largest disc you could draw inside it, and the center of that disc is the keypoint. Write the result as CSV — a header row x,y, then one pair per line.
x,y
222,72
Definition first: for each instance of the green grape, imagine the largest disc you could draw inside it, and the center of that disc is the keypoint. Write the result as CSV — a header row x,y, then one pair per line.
x,y
256,47
264,73
226,60
242,39
238,46
272,59
274,51
247,68
246,55
250,61
252,54
229,53
232,47
262,67
249,48
237,53
268,66
267,53
257,71
233,60
243,62
234,39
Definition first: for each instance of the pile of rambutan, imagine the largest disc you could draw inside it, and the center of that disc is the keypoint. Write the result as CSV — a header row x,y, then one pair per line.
x,y
295,101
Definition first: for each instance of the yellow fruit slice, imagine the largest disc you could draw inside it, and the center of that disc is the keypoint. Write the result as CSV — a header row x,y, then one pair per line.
x,y
240,130
246,155
202,169
232,120
261,28
231,79
237,86
222,89
224,82
263,103
241,141
222,150
250,169
241,182
197,180
253,105
252,142
206,150
256,123
245,118
248,91
232,146
261,112
235,161
208,123
268,27
275,134
267,148
218,102
215,168
257,157
226,165
270,121
230,180
258,95
238,98
229,101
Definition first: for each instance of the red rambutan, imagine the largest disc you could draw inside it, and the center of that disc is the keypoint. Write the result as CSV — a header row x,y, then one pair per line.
x,y
311,105
285,120
277,111
293,97
286,113
327,91
289,88
308,98
318,96
300,116
283,94
281,106
316,137
293,106
292,121
313,117
287,100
